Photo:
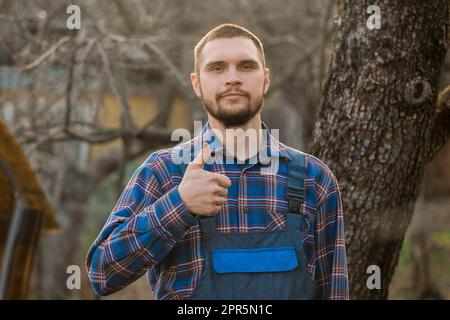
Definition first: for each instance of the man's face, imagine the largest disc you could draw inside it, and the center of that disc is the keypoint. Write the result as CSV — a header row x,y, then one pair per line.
x,y
232,80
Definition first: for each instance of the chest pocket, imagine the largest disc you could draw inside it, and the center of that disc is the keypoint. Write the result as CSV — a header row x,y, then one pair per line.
x,y
275,212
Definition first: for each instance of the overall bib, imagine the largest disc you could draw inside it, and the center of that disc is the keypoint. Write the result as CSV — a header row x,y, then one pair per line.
x,y
259,265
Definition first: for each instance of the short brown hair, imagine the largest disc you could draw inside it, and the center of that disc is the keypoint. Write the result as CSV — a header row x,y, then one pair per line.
x,y
227,30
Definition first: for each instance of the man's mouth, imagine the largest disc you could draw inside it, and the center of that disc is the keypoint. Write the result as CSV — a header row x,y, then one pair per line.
x,y
233,95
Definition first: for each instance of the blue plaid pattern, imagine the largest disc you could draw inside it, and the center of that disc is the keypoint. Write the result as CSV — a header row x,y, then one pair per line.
x,y
150,229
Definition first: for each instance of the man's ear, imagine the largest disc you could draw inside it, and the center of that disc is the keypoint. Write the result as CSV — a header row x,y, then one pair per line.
x,y
266,79
195,81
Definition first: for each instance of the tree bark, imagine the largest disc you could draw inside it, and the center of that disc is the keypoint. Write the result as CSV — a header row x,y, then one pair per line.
x,y
375,125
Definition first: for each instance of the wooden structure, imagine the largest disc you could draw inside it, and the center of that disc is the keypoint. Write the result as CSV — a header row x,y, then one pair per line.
x,y
24,212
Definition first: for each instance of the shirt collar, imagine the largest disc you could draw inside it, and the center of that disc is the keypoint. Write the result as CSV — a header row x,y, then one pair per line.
x,y
272,147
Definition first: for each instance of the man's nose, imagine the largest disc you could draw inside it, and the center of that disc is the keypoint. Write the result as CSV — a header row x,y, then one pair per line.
x,y
233,78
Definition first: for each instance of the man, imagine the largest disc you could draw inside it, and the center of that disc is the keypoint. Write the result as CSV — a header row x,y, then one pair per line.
x,y
221,229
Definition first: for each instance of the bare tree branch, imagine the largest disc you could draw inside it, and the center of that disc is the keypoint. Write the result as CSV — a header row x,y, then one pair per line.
x,y
126,114
70,80
45,55
109,161
173,70
291,68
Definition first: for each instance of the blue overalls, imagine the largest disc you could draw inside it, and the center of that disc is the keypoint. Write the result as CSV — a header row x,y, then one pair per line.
x,y
259,265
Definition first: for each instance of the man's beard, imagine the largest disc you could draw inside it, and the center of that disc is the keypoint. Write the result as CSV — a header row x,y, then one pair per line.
x,y
229,117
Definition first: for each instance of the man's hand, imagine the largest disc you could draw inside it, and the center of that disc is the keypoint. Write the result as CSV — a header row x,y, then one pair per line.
x,y
203,192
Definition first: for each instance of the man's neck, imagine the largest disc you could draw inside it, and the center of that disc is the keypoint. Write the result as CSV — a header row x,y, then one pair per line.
x,y
242,141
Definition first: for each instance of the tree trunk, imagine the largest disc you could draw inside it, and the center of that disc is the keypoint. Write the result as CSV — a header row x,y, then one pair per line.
x,y
376,125
71,192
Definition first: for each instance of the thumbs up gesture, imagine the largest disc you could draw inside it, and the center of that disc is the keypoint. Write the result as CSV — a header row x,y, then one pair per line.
x,y
203,192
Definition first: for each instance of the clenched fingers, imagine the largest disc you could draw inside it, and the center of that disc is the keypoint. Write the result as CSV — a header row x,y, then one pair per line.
x,y
222,180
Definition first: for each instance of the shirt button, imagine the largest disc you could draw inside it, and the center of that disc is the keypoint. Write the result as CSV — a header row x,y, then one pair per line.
x,y
245,210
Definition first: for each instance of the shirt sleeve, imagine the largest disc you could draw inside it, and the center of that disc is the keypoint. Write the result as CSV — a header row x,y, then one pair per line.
x,y
143,227
330,253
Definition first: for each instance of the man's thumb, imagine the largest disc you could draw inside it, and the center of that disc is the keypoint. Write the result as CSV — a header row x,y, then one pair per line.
x,y
202,157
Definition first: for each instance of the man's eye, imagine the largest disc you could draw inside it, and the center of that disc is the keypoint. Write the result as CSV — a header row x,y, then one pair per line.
x,y
216,68
247,67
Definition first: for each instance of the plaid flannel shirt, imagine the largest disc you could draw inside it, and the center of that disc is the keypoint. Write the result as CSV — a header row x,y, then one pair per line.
x,y
151,230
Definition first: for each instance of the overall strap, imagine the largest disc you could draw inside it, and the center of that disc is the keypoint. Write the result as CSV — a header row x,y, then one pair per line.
x,y
295,190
